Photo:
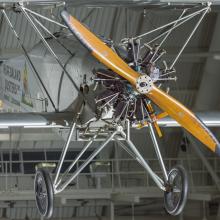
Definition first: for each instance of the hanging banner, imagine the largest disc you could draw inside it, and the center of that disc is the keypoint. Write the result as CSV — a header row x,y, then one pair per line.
x,y
25,92
15,83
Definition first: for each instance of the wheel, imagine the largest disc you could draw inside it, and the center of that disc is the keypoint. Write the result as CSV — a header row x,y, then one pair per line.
x,y
44,193
177,189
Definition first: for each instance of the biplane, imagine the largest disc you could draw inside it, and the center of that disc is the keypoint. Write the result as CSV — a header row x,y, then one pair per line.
x,y
117,88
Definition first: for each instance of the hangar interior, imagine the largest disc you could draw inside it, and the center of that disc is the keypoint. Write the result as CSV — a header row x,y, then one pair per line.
x,y
114,185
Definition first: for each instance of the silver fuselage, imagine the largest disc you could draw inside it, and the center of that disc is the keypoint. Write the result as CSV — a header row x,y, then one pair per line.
x,y
21,90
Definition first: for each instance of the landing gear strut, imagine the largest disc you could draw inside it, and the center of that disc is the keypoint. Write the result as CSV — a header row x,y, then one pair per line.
x,y
174,184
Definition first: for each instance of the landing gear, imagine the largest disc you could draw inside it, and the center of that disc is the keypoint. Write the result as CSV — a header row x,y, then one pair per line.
x,y
44,193
174,184
45,188
177,188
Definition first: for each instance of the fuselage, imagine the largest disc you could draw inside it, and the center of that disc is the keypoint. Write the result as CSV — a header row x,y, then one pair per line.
x,y
22,91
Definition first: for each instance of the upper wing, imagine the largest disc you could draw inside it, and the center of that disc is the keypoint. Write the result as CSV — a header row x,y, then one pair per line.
x,y
175,109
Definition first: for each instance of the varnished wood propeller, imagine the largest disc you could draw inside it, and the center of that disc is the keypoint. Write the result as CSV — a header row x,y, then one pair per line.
x,y
109,58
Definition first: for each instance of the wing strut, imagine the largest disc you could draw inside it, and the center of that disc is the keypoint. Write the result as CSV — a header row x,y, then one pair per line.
x,y
28,58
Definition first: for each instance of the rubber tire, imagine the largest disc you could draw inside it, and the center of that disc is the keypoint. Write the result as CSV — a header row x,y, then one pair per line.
x,y
178,208
45,176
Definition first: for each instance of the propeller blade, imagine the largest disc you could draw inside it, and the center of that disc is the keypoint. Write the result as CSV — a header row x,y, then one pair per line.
x,y
110,59
99,50
184,117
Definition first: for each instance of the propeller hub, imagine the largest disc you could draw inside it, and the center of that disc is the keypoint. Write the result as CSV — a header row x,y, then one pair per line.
x,y
144,84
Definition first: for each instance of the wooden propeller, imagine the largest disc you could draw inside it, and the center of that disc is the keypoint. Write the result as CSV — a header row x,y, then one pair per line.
x,y
109,58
